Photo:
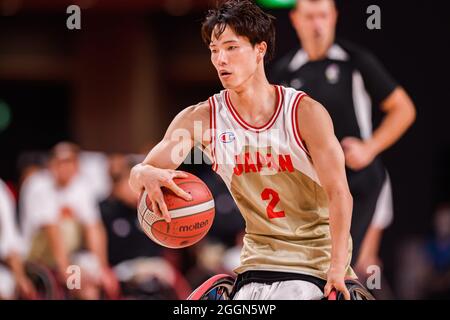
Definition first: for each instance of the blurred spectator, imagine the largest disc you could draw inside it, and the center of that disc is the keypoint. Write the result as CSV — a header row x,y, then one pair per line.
x,y
208,255
437,249
94,169
126,240
232,257
424,264
151,278
411,269
136,259
62,225
29,163
12,275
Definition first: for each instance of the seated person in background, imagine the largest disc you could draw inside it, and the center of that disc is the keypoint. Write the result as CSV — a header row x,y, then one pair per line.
x,y
208,255
136,259
437,253
423,263
126,240
13,278
62,225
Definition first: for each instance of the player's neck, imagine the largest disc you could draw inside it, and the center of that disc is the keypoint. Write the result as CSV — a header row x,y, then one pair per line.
x,y
255,100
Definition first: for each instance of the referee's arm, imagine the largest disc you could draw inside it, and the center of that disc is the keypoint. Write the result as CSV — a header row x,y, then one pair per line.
x,y
398,107
400,115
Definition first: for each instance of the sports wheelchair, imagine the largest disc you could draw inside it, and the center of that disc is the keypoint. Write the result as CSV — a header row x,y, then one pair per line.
x,y
220,287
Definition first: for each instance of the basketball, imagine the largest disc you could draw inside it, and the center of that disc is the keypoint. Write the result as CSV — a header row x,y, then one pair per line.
x,y
191,220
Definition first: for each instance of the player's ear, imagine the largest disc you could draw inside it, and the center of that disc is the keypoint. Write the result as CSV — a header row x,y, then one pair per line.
x,y
261,50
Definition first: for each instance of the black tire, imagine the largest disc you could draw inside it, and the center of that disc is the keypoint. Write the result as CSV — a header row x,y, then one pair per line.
x,y
46,285
357,291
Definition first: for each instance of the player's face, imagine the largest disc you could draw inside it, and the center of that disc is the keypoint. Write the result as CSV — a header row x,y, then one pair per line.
x,y
315,23
234,58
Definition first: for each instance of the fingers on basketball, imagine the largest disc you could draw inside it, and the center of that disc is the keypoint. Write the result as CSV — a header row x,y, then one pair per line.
x,y
170,184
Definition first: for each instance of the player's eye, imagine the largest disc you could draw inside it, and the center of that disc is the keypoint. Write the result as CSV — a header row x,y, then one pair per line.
x,y
230,48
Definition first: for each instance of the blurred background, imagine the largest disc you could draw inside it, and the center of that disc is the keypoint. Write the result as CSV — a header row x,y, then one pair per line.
x,y
114,86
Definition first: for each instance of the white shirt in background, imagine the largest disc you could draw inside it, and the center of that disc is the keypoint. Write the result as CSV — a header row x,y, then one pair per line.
x,y
41,203
10,240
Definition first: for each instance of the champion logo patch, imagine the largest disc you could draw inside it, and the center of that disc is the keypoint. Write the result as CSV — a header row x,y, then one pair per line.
x,y
227,137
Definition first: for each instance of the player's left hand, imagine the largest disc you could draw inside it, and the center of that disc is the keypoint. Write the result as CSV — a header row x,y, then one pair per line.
x,y
358,153
336,280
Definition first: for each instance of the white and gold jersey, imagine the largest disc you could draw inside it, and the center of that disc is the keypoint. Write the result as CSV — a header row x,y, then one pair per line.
x,y
272,179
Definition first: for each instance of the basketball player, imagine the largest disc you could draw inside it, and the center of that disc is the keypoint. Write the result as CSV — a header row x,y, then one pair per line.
x,y
276,150
349,80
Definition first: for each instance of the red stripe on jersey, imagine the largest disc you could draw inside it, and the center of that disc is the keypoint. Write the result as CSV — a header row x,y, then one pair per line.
x,y
247,126
297,135
212,126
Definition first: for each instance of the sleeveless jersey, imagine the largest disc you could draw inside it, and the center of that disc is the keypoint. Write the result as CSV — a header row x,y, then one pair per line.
x,y
272,179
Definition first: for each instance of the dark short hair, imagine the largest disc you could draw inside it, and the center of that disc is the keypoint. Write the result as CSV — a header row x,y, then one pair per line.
x,y
246,19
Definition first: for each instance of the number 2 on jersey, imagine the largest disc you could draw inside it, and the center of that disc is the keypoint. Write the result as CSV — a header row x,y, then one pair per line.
x,y
272,195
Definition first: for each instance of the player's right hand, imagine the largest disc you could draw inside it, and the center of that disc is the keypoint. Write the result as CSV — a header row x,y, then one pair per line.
x,y
152,179
336,281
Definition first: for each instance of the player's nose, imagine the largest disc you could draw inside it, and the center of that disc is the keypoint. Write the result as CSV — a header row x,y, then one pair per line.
x,y
222,58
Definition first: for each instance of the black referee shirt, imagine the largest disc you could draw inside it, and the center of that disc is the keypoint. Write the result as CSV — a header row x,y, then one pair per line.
x,y
348,82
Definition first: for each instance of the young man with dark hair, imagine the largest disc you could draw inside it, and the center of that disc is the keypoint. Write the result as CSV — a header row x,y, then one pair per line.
x,y
275,149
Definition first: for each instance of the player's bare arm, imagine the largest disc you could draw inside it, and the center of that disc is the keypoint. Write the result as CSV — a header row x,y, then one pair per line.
x,y
317,130
158,168
400,115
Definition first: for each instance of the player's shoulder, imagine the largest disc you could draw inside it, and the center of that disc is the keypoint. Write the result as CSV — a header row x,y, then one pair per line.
x,y
301,101
197,111
313,119
200,108
293,96
307,107
310,105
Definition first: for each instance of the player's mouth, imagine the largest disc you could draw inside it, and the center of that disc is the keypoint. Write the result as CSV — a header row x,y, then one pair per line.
x,y
224,74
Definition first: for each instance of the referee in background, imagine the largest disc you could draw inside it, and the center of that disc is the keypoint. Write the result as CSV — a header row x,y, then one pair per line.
x,y
349,81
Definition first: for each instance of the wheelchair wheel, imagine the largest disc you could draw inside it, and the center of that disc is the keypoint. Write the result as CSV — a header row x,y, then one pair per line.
x,y
218,287
357,292
44,281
